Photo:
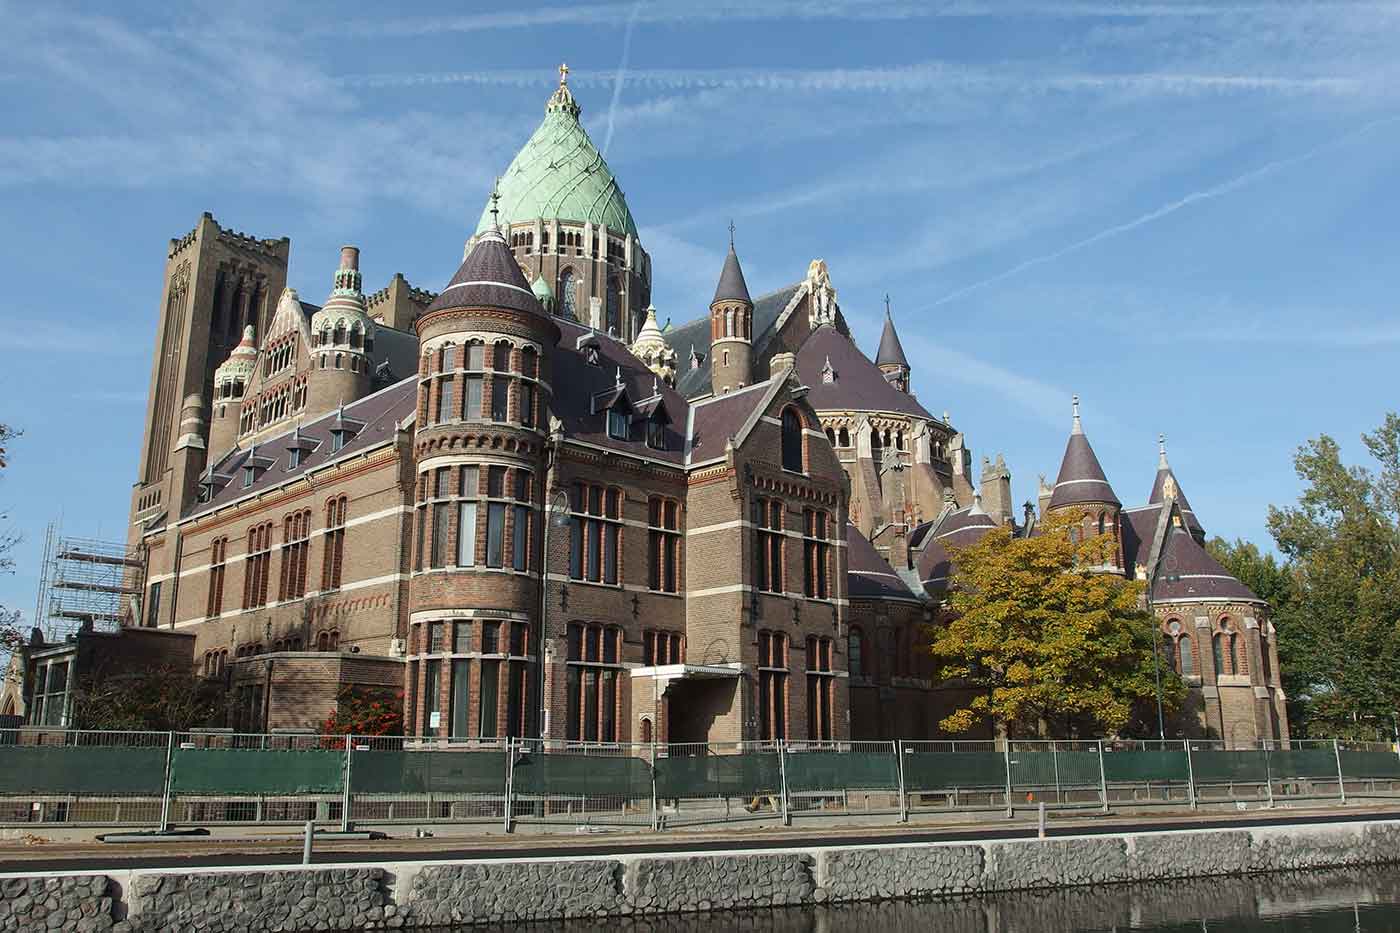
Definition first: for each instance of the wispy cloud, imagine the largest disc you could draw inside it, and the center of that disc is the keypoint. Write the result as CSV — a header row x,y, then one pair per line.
x,y
621,74
43,335
1195,197
109,395
1040,400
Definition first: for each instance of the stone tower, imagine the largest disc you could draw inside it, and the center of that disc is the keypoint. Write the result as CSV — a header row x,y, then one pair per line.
x,y
996,490
567,223
342,339
479,447
1081,485
731,329
217,284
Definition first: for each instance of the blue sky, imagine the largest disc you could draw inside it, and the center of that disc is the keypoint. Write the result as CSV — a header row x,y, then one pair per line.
x,y
1183,211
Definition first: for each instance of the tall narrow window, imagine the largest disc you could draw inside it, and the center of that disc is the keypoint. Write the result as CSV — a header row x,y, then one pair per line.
x,y
792,440
495,517
153,606
1217,646
816,554
855,649
1187,665
500,383
591,683
218,553
334,559
663,544
820,685
520,522
529,368
613,322
490,692
466,516
444,402
432,696
595,533
567,297
296,541
768,545
772,686
256,566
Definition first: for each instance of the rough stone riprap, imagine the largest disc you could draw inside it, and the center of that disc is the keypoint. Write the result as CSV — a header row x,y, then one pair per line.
x,y
80,903
505,891
667,885
234,902
875,873
1047,863
1183,855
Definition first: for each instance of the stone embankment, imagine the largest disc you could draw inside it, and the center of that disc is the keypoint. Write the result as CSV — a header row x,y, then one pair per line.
x,y
424,894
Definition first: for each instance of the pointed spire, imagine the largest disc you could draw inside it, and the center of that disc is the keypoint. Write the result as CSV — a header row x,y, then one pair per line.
x,y
1081,479
1162,452
496,204
891,353
732,286
619,376
1166,486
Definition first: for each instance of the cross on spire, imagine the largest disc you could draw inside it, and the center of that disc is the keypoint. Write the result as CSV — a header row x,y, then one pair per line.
x,y
495,204
563,74
731,233
887,304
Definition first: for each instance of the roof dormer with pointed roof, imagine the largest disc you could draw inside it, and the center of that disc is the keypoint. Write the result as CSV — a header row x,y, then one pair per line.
x,y
890,357
1165,486
1081,480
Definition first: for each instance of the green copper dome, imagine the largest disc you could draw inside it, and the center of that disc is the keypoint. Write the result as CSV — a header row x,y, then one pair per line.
x,y
560,174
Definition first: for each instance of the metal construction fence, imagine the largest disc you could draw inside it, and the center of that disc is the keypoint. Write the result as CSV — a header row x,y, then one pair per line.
x,y
169,779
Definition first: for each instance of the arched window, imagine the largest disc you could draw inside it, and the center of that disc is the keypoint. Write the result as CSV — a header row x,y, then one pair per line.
x,y
646,732
1102,520
339,333
831,436
877,448
613,323
844,438
1264,659
1217,647
792,440
1187,663
567,298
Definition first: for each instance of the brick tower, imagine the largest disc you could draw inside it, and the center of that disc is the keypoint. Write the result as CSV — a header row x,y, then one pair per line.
x,y
1082,485
731,328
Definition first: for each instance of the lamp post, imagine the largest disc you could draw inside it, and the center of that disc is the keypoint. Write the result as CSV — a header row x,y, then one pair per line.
x,y
1157,651
557,513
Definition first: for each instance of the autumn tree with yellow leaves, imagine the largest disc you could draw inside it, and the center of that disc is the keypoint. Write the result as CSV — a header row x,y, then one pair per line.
x,y
1046,645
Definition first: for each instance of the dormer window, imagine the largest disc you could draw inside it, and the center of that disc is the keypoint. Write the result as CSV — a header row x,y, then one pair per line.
x,y
293,458
617,423
338,439
249,474
656,434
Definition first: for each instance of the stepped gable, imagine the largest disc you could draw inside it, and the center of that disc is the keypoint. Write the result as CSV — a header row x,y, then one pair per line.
x,y
488,278
693,383
868,575
1081,479
581,381
858,384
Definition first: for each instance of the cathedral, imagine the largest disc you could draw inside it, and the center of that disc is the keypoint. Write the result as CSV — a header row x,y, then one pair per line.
x,y
534,511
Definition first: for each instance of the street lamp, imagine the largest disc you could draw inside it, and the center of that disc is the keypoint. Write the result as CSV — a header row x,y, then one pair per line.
x,y
557,515
1157,651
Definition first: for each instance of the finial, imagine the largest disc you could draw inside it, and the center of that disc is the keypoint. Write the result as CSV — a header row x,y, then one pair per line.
x,y
563,74
731,233
887,304
1078,427
495,204
1161,452
655,386
619,375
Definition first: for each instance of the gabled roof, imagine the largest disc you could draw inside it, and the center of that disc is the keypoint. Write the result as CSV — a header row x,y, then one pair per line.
x,y
1081,478
959,528
1190,573
488,278
693,383
713,421
868,575
891,353
732,286
858,385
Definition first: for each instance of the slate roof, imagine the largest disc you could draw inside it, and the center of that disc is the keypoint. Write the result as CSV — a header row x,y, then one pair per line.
x,y
890,352
868,575
1189,572
1081,478
380,414
732,286
859,384
959,529
693,383
714,420
1156,496
488,278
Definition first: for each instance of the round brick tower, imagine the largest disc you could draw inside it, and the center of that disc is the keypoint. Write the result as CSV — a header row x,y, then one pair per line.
x,y
1082,486
731,329
342,339
482,421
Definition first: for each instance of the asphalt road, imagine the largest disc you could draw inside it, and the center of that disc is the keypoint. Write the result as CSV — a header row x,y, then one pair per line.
x,y
286,850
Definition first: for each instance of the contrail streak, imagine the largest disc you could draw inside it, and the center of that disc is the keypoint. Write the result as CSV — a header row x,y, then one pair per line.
x,y
1194,197
621,73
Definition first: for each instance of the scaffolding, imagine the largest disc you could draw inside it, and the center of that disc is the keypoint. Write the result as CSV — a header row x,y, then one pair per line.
x,y
85,582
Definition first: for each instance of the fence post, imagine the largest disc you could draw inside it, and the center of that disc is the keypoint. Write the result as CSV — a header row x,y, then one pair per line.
x,y
782,776
903,798
1341,784
1190,774
345,791
1269,775
655,812
1006,753
1055,762
508,809
1103,779
165,784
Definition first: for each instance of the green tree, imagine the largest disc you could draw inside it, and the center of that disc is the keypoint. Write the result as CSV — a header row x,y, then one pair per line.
x,y
11,638
1342,539
1049,645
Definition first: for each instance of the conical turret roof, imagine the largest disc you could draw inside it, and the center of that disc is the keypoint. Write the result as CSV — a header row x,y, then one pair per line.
x,y
1161,484
241,361
732,286
1081,478
890,353
488,278
560,174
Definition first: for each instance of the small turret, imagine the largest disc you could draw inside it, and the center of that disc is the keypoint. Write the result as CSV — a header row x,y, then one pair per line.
x,y
342,339
731,327
1165,486
890,357
1081,484
652,349
231,380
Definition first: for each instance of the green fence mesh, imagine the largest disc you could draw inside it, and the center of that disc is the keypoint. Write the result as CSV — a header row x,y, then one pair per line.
x,y
1049,768
1216,767
392,772
948,770
253,771
564,775
1306,763
738,775
821,770
1143,766
1370,764
63,769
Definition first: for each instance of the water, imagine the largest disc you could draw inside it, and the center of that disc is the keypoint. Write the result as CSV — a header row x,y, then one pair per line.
x,y
1338,901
